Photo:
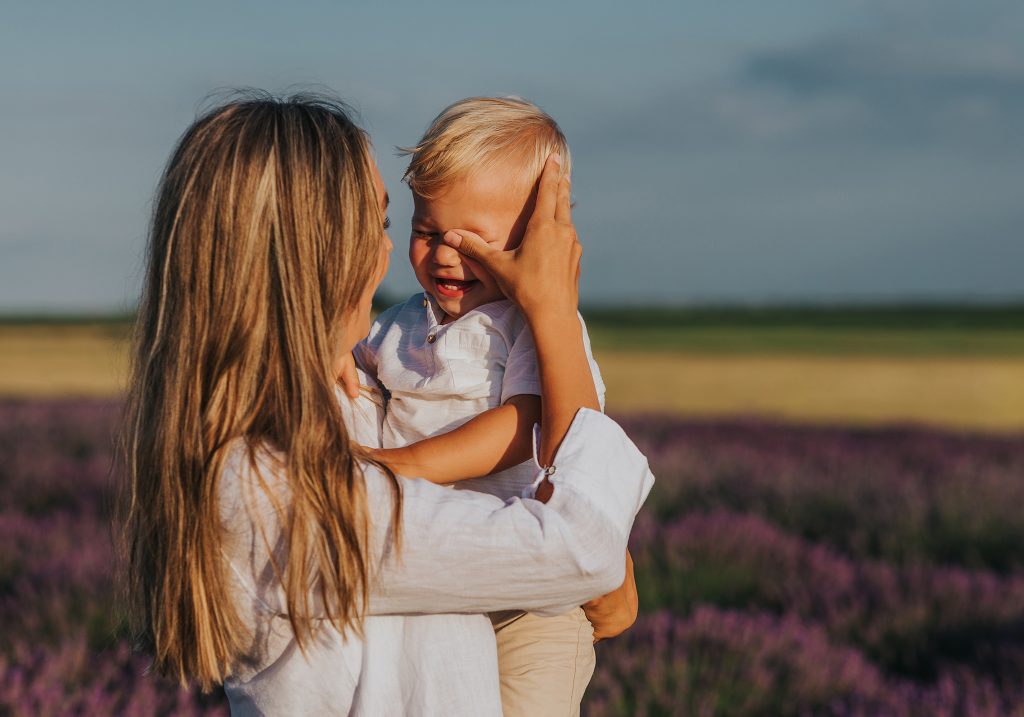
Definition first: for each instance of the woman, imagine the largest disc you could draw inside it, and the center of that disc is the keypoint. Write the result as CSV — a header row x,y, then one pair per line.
x,y
266,551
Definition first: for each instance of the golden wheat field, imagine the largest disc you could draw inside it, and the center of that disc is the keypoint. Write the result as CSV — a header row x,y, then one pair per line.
x,y
966,391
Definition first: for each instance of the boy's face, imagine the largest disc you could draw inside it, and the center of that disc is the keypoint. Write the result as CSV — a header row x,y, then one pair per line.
x,y
494,204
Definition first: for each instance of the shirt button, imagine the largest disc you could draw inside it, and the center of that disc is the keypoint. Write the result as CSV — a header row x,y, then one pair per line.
x,y
424,302
431,338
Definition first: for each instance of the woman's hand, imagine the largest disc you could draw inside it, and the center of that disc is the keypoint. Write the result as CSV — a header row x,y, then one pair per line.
x,y
614,613
542,274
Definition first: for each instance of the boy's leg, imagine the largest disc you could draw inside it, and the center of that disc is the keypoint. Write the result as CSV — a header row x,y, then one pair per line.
x,y
545,663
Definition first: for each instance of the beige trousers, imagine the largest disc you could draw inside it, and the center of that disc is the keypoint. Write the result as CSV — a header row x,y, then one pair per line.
x,y
545,663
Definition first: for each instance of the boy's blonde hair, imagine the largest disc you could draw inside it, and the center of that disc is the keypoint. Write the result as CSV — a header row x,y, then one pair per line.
x,y
478,133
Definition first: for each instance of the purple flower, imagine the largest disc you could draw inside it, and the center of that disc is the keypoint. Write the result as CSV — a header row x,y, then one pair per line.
x,y
783,570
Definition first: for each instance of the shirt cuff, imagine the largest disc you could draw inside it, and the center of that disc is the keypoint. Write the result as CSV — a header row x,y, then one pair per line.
x,y
520,388
596,460
530,491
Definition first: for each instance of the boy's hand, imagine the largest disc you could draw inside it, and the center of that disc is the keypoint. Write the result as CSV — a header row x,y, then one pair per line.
x,y
347,376
614,613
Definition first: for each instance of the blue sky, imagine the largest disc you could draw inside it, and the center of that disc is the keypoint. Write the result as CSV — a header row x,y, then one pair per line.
x,y
723,152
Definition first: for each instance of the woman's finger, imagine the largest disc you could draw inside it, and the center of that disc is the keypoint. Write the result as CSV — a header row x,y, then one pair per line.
x,y
547,189
471,245
563,206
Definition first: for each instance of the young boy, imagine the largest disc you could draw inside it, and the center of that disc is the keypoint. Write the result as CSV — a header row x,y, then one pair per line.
x,y
458,366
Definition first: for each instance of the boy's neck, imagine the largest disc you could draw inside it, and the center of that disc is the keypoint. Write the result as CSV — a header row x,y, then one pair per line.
x,y
445,318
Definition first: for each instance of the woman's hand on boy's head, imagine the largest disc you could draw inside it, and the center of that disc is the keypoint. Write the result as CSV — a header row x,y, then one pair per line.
x,y
542,273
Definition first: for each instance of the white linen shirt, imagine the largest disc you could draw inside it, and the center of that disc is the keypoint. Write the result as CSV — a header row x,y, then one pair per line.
x,y
463,553
439,376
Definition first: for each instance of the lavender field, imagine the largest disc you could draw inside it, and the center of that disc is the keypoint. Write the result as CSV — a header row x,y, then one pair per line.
x,y
782,571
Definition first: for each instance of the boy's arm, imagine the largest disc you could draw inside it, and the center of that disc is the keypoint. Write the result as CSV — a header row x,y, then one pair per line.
x,y
497,439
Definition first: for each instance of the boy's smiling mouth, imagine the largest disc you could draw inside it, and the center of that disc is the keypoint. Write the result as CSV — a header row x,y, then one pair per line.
x,y
454,288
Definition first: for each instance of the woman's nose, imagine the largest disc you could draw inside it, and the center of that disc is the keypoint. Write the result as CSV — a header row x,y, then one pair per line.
x,y
444,255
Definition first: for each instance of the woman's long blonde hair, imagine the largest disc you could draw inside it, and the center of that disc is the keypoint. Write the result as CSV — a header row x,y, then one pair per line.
x,y
265,233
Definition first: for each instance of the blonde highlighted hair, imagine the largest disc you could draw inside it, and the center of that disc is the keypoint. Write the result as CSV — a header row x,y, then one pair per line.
x,y
479,133
266,231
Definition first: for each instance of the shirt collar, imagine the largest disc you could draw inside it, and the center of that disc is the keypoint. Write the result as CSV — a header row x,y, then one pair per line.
x,y
432,310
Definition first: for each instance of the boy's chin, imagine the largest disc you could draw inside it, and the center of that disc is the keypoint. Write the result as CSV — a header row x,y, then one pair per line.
x,y
458,307
455,308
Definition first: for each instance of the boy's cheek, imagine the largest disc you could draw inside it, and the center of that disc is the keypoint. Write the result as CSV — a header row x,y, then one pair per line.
x,y
416,253
418,261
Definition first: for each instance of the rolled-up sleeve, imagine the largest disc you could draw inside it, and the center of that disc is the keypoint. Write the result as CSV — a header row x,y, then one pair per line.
x,y
468,552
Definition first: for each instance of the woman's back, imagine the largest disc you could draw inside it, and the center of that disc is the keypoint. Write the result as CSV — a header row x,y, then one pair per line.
x,y
397,666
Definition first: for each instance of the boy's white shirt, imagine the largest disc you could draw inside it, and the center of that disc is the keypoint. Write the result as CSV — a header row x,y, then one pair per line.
x,y
439,376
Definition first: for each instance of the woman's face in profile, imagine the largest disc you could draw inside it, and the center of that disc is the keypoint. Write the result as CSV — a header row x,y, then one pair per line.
x,y
357,323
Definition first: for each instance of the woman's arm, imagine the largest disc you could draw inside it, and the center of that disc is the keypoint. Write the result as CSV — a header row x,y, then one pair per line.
x,y
542,277
469,552
463,551
550,307
487,555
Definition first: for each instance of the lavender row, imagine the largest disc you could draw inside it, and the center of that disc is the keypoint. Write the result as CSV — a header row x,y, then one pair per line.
x,y
906,495
900,494
844,568
56,495
913,620
72,679
57,455
718,663
57,578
